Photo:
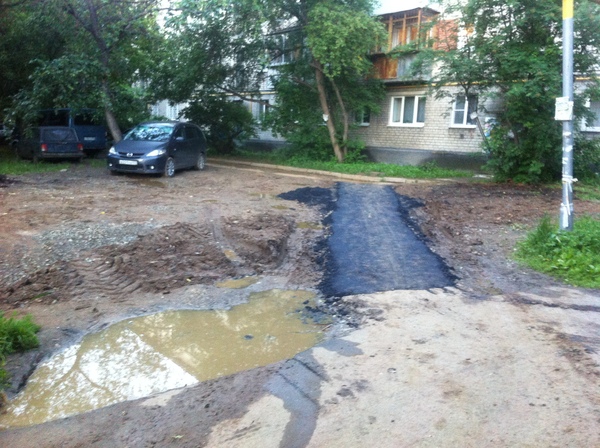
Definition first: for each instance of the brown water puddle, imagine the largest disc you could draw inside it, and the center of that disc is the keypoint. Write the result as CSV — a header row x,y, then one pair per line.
x,y
238,283
139,357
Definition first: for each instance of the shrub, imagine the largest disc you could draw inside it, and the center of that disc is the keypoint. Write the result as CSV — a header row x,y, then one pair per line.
x,y
572,256
16,335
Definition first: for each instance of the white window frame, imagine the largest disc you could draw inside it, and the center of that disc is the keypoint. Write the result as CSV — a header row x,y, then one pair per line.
x,y
464,110
262,110
401,100
584,125
363,117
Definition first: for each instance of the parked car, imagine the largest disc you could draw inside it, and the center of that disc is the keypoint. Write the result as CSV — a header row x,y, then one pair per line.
x,y
160,148
90,130
48,142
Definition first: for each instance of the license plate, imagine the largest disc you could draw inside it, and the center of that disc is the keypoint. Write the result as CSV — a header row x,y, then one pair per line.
x,y
127,162
89,139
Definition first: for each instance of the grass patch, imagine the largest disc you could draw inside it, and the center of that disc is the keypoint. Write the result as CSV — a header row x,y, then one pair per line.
x,y
18,167
573,257
428,171
11,166
587,190
16,335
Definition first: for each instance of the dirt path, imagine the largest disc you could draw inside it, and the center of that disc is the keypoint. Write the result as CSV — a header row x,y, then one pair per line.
x,y
509,351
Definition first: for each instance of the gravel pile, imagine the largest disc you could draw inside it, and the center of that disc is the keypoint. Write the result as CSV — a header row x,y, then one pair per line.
x,y
68,242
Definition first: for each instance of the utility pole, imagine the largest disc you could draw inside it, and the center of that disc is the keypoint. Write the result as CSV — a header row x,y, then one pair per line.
x,y
564,112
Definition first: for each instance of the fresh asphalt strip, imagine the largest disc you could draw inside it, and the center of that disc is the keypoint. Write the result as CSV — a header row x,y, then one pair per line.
x,y
372,246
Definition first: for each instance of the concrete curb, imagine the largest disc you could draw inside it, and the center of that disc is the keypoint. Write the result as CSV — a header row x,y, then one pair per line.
x,y
305,171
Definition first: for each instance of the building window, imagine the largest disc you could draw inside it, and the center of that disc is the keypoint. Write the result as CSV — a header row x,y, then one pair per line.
x,y
462,109
363,117
262,108
283,53
173,112
405,31
592,125
408,111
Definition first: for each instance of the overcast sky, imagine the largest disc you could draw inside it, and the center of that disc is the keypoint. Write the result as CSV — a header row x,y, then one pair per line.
x,y
386,6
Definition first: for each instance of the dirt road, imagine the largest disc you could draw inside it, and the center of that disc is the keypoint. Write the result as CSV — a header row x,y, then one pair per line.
x,y
506,358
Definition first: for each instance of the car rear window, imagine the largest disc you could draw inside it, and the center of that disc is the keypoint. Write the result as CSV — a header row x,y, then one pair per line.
x,y
150,132
59,135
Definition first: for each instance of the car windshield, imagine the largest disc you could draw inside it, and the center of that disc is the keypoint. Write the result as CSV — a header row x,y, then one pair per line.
x,y
59,135
150,132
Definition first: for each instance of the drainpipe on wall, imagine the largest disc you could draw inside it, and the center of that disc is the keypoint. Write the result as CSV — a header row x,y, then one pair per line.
x,y
475,117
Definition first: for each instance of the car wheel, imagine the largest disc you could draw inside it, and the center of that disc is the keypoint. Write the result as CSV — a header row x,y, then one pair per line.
x,y
169,167
200,162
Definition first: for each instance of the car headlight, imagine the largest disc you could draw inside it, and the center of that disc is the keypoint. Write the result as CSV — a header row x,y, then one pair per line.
x,y
157,152
112,150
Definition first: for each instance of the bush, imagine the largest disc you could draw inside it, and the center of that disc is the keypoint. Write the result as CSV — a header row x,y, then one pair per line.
x,y
16,335
226,122
586,159
570,256
533,156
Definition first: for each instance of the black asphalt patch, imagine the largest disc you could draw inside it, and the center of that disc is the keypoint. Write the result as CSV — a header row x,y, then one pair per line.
x,y
373,246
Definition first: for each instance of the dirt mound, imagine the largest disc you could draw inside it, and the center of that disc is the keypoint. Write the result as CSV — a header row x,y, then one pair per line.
x,y
170,257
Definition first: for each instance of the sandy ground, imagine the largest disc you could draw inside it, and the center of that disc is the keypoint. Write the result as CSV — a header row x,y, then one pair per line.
x,y
507,357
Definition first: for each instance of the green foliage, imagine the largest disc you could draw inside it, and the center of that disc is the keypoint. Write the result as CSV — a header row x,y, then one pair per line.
x,y
533,158
586,159
212,47
16,335
327,77
80,54
588,190
28,31
341,36
18,167
570,256
225,121
512,53
11,166
298,116
289,157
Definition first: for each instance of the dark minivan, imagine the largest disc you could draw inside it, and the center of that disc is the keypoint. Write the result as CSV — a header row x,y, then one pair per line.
x,y
160,147
52,142
91,131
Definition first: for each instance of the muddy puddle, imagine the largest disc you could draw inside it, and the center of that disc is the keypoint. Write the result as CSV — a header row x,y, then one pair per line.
x,y
139,357
238,283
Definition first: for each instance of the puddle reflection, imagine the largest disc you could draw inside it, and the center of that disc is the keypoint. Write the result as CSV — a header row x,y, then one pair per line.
x,y
238,283
146,355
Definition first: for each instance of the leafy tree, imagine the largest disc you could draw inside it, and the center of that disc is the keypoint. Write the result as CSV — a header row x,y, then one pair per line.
x,y
221,49
226,121
213,53
28,32
511,50
102,49
330,40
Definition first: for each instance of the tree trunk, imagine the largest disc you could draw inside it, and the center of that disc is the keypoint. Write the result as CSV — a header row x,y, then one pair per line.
x,y
111,121
113,127
345,118
325,106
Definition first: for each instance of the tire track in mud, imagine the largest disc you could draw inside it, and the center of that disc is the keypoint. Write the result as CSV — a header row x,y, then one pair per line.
x,y
171,257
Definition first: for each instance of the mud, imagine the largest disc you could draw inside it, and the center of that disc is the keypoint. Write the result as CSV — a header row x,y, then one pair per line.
x,y
54,227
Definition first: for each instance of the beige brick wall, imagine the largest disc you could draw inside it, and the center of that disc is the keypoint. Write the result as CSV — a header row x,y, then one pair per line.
x,y
436,134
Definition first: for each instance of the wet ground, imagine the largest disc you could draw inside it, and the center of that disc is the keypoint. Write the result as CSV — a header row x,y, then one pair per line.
x,y
143,356
508,358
